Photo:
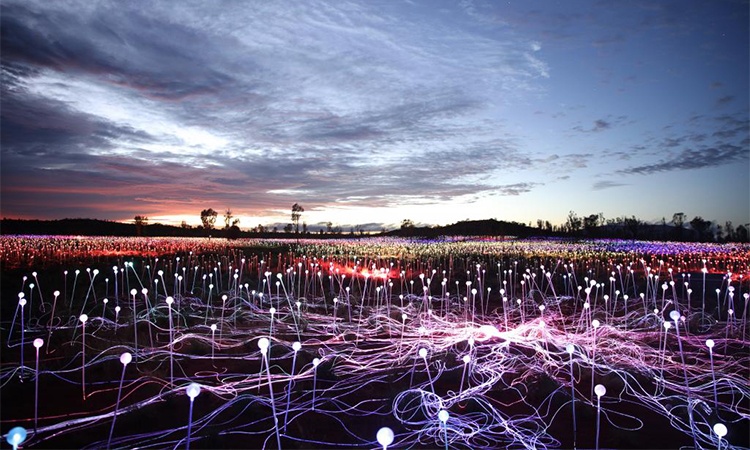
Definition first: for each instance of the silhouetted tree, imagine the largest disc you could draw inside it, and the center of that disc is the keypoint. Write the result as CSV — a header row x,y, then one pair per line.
x,y
701,226
228,218
208,218
139,222
591,222
741,234
407,223
574,222
678,219
329,227
233,232
288,228
184,225
304,227
297,211
632,224
729,231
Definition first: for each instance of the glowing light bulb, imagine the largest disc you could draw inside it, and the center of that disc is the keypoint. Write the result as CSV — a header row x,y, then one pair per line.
x,y
384,437
18,434
263,344
193,390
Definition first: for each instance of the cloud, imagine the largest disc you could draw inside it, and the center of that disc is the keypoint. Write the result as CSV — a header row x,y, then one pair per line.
x,y
689,159
515,189
608,40
602,124
333,104
606,184
724,100
115,109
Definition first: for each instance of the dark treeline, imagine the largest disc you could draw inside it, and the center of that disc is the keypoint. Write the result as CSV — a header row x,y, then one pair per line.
x,y
676,229
96,227
592,226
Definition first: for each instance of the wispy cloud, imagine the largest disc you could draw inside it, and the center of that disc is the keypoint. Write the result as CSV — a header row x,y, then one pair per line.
x,y
340,103
606,184
688,159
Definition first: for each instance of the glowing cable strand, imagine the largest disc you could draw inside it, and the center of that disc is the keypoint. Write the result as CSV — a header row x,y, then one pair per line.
x,y
479,430
479,388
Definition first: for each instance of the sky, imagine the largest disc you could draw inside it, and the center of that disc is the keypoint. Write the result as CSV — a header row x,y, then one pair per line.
x,y
370,112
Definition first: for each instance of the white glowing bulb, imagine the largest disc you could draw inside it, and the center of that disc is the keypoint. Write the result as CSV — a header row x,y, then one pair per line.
x,y
193,390
385,437
263,344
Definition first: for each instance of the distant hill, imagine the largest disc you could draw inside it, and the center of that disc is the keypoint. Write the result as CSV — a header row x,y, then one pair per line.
x,y
90,227
489,227
96,227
